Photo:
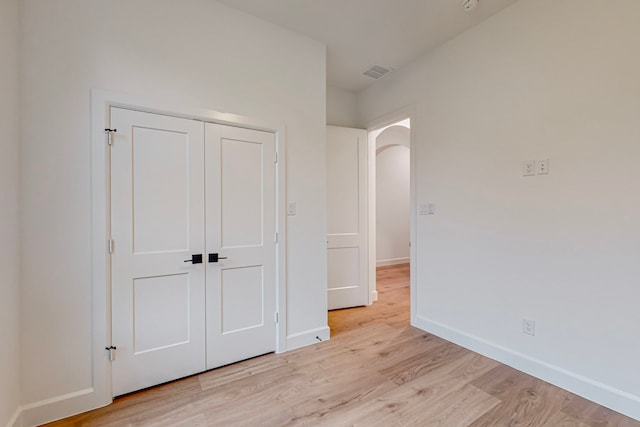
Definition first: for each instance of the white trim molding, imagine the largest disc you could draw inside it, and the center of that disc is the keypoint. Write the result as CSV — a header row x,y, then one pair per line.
x,y
59,407
303,339
394,261
603,394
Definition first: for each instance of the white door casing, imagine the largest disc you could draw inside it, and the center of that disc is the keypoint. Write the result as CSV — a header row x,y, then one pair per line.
x,y
240,210
172,318
347,256
157,223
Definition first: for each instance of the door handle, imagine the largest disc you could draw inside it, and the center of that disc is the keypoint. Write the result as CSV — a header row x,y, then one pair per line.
x,y
215,257
196,259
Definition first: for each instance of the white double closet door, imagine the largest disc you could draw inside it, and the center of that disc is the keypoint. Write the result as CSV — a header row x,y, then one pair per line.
x,y
181,188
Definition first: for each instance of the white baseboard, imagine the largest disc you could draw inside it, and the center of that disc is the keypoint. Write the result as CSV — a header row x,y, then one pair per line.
x,y
603,394
16,419
306,338
394,261
56,408
373,297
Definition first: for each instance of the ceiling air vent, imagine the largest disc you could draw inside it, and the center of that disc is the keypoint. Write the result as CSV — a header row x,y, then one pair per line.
x,y
377,71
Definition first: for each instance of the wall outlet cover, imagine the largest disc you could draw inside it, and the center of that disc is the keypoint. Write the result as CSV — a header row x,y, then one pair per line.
x,y
528,168
542,167
529,327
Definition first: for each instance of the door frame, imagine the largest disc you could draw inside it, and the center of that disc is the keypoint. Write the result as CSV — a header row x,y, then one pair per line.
x,y
101,103
375,124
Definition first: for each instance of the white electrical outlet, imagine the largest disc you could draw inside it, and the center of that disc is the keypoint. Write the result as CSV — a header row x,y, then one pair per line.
x,y
529,327
528,168
542,167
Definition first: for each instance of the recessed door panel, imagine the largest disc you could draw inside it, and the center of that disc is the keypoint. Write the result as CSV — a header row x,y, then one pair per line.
x,y
160,304
242,299
241,163
160,190
343,207
344,272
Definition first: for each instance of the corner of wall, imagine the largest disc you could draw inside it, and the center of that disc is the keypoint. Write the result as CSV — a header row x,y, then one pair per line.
x,y
9,213
341,108
16,419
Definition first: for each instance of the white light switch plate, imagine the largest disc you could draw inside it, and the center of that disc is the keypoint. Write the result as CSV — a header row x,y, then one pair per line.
x,y
428,209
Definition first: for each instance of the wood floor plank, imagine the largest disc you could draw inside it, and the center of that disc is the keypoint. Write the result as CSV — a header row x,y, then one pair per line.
x,y
410,367
595,415
469,404
531,402
563,420
423,400
177,419
327,401
231,373
376,370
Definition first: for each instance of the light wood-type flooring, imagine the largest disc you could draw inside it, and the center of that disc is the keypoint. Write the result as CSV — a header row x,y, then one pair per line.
x,y
375,371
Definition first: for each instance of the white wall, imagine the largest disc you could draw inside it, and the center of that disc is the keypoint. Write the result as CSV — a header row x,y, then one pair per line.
x,y
9,223
196,53
392,196
341,108
542,79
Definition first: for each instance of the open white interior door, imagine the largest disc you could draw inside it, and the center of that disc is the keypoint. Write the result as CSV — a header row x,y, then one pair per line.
x,y
347,229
